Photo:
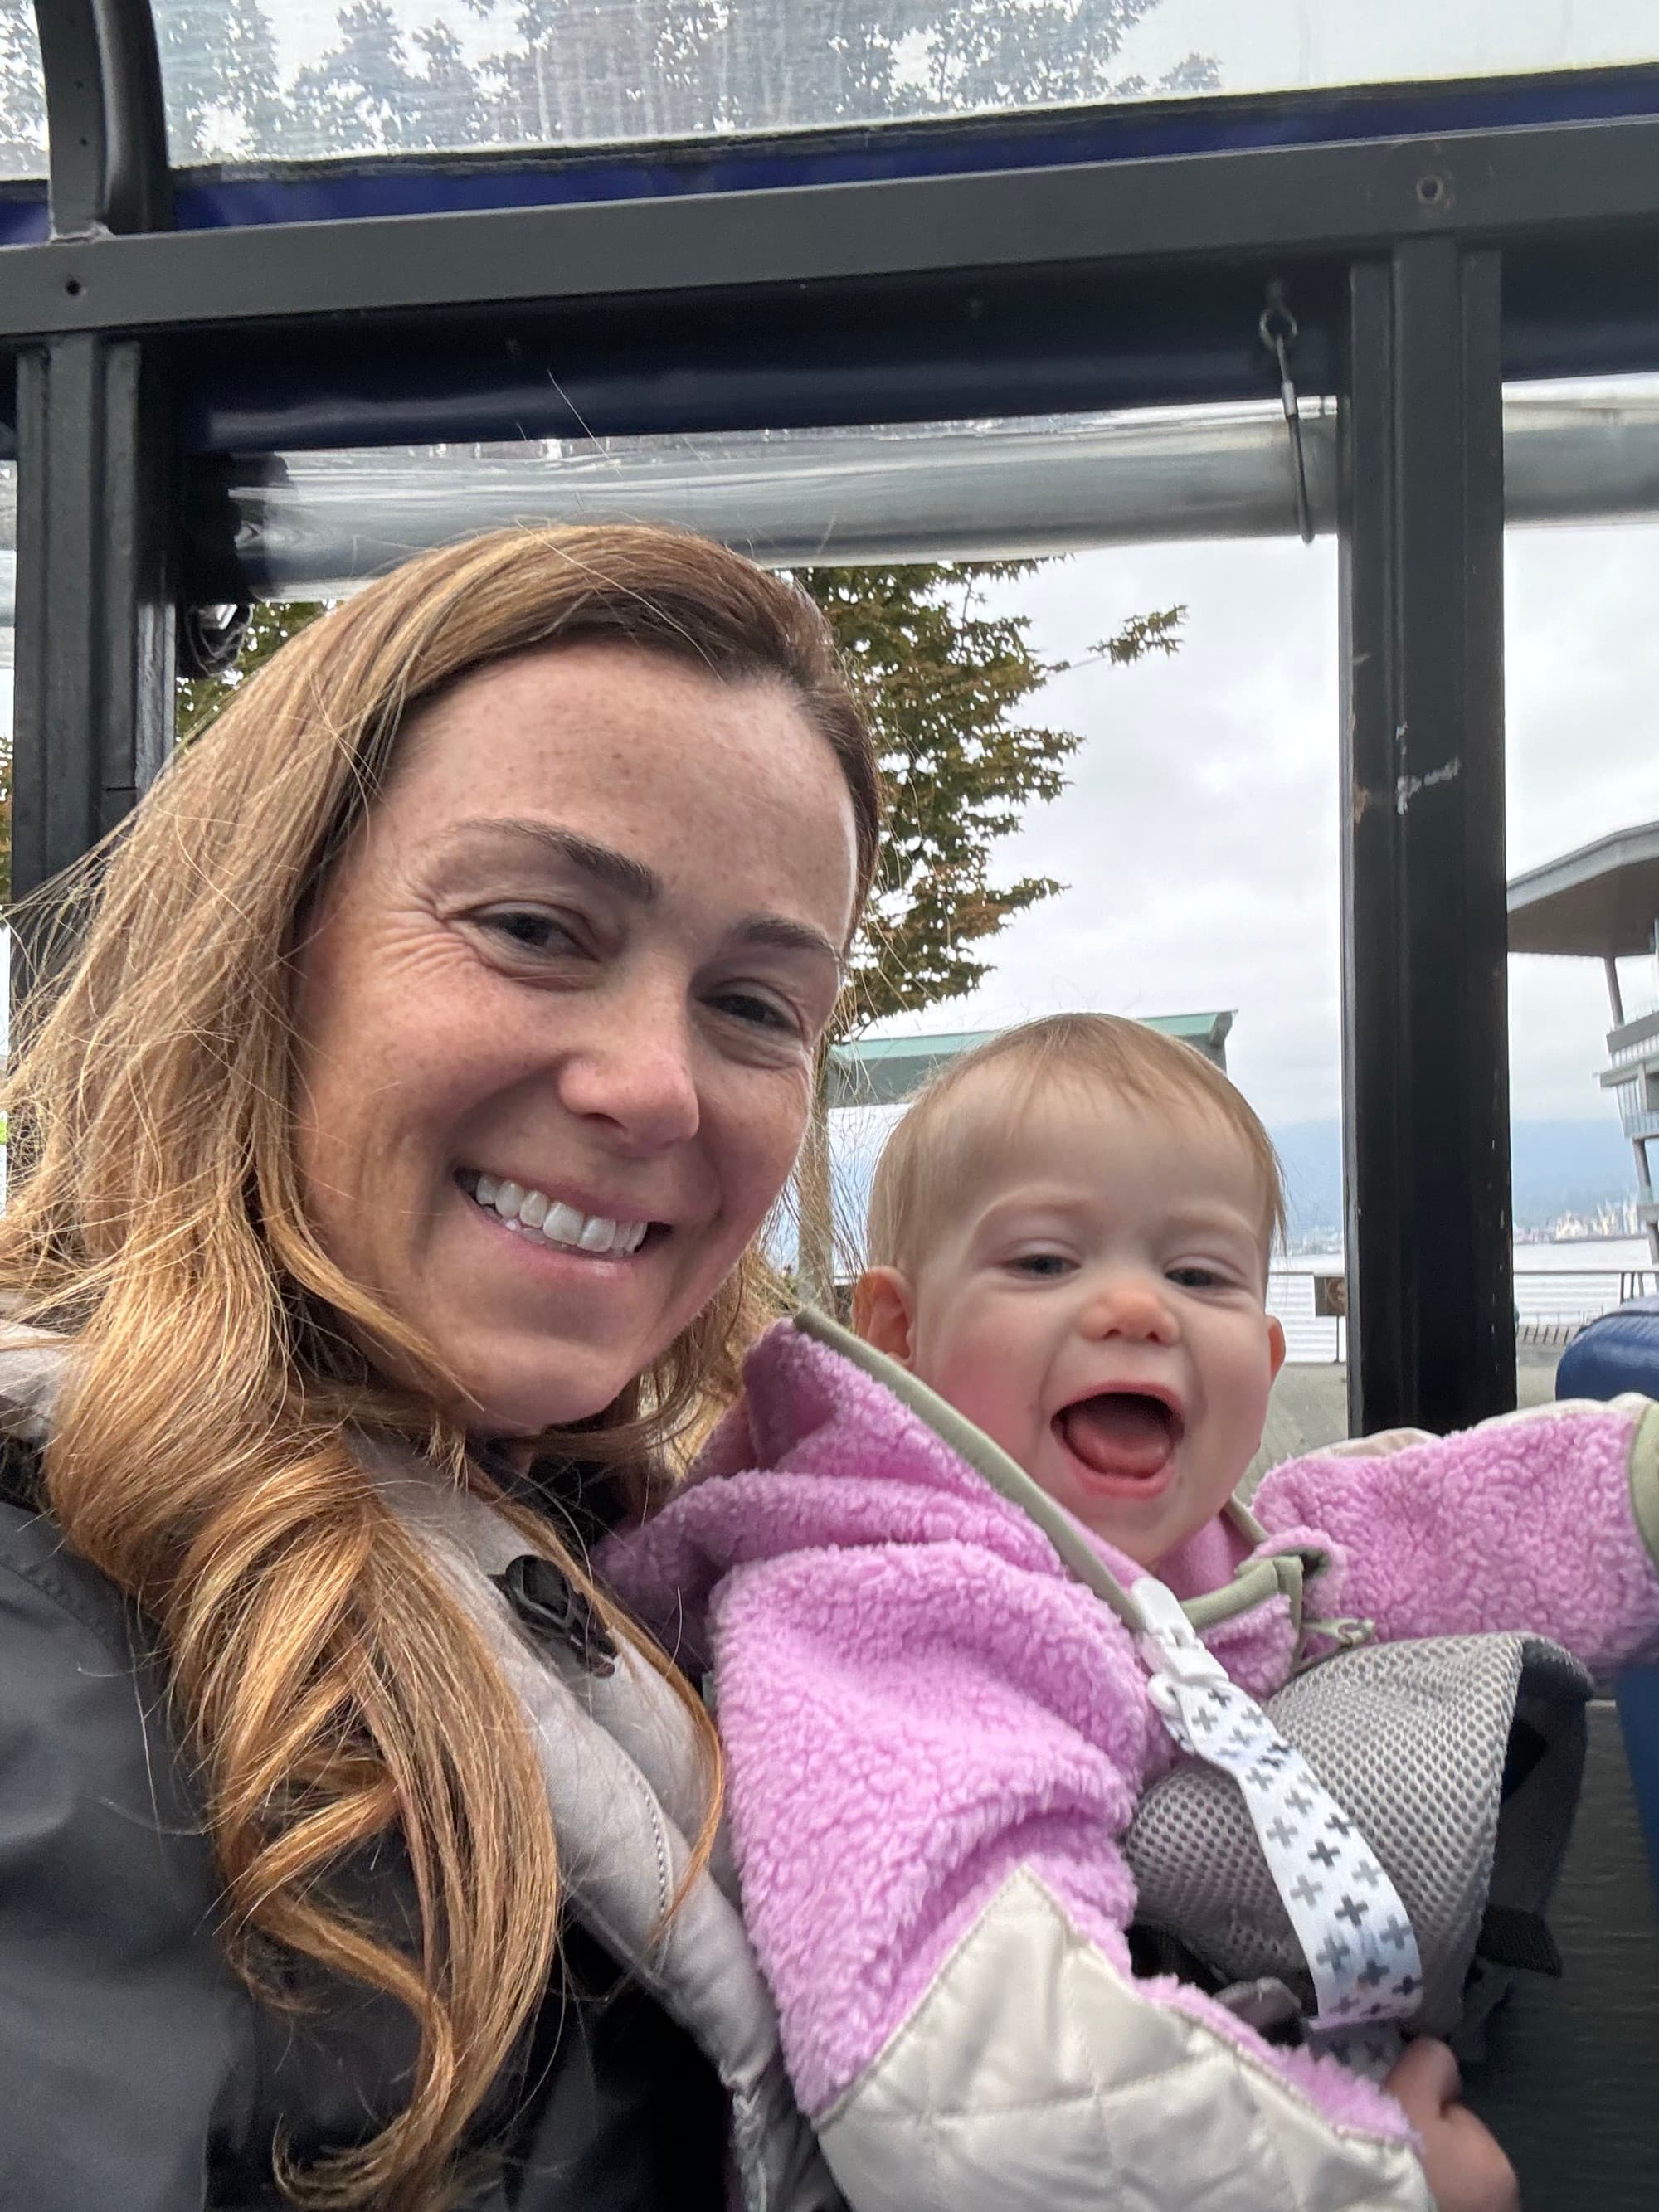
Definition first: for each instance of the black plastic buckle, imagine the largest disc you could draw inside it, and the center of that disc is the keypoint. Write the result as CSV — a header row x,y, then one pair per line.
x,y
556,1613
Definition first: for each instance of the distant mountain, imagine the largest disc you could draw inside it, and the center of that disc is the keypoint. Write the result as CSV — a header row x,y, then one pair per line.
x,y
1559,1167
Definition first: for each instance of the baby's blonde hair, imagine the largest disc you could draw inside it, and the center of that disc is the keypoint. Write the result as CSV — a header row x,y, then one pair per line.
x,y
933,1149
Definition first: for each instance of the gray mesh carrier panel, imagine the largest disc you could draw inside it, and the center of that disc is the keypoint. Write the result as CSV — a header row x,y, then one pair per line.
x,y
1413,1740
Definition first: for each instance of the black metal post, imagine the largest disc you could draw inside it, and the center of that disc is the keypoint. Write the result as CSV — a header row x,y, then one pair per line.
x,y
94,625
1426,1032
94,616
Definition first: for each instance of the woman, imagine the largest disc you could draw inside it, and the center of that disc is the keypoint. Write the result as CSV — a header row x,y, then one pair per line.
x,y
387,1172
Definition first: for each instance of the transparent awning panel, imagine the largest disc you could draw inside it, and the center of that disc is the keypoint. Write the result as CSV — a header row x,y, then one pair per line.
x,y
319,524
312,80
23,94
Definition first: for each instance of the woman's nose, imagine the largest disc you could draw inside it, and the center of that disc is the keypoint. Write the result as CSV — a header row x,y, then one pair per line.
x,y
1133,1304
633,1070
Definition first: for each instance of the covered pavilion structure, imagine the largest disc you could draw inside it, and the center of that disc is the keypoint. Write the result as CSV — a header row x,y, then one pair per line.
x,y
1602,903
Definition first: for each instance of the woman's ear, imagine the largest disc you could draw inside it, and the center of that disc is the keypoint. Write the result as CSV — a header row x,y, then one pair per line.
x,y
883,1310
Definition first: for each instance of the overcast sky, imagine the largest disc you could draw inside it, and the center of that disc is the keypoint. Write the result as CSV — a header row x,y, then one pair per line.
x,y
1199,836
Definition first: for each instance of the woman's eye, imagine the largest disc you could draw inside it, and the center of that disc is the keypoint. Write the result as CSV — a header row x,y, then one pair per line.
x,y
757,1012
531,930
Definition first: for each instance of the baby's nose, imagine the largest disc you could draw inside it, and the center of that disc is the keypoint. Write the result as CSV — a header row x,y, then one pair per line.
x,y
1133,1304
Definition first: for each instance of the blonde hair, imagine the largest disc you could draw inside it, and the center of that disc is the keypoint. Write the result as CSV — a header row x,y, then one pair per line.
x,y
930,1152
328,1684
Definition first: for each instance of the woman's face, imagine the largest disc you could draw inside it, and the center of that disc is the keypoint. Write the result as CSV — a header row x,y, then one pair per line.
x,y
557,1010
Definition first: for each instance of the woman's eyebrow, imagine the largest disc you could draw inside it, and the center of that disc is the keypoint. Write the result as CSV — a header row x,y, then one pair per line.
x,y
776,929
640,885
618,872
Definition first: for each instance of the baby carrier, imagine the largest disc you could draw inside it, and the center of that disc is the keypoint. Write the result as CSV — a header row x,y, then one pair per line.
x,y
1457,1758
1377,1847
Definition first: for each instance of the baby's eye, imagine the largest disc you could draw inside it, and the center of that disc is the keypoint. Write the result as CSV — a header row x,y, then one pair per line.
x,y
1041,1263
1196,1279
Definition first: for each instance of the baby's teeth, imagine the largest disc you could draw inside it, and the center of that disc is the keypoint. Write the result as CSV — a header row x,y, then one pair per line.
x,y
534,1210
597,1236
508,1199
563,1224
486,1189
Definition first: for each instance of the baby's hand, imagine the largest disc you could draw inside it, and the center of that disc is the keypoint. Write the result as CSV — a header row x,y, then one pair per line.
x,y
1465,2164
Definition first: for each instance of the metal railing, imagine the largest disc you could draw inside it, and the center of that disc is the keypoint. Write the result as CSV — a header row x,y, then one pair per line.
x,y
1549,1305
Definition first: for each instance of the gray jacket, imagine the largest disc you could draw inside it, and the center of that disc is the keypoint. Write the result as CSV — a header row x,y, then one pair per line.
x,y
137,2073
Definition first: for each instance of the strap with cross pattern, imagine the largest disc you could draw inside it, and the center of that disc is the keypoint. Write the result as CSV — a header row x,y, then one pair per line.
x,y
1345,1913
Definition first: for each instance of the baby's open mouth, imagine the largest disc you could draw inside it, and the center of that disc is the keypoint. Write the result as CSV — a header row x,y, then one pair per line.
x,y
1126,1433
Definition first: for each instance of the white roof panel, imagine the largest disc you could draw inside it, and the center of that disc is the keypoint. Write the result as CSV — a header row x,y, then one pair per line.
x,y
313,80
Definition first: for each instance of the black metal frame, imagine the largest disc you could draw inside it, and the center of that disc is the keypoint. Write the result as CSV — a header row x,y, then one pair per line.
x,y
94,625
1421,268
1424,920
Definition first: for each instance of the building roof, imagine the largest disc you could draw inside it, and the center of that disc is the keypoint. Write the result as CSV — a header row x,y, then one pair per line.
x,y
885,1071
1600,902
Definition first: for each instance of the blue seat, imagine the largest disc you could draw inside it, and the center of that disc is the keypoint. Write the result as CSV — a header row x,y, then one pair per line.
x,y
1620,1351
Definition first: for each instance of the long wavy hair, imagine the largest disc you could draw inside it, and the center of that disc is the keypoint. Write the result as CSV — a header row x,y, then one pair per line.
x,y
330,1688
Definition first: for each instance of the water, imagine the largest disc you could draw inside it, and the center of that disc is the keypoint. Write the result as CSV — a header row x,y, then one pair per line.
x,y
1557,1287
1585,1254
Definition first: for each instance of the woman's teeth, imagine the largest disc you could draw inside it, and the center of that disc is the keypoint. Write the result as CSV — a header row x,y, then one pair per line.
x,y
534,1214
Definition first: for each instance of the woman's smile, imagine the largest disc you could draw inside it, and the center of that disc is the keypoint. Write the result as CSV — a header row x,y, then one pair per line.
x,y
556,1222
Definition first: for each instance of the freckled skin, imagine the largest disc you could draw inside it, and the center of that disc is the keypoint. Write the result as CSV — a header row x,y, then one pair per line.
x,y
469,998
1102,1248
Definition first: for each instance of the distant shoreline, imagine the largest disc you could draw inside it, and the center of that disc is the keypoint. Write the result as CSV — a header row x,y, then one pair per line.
x,y
1541,1256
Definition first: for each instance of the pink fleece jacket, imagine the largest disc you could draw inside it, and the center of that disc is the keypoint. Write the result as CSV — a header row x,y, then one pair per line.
x,y
918,1699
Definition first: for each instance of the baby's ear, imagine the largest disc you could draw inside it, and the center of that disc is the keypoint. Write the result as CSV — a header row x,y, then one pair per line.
x,y
1275,1343
882,1312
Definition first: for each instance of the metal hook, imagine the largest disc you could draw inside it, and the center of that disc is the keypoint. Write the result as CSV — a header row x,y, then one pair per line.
x,y
1277,327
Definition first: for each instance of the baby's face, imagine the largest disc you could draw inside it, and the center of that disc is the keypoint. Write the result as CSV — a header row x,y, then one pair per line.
x,y
1097,1308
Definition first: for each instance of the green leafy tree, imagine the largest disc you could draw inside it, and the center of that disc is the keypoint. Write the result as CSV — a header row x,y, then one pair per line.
x,y
201,697
220,77
573,71
363,96
586,71
945,680
577,71
998,53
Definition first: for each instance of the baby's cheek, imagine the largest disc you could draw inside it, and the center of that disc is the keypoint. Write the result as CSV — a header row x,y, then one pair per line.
x,y
984,1388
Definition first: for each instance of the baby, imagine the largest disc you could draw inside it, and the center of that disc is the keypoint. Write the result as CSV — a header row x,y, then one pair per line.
x,y
1069,1236
936,1732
